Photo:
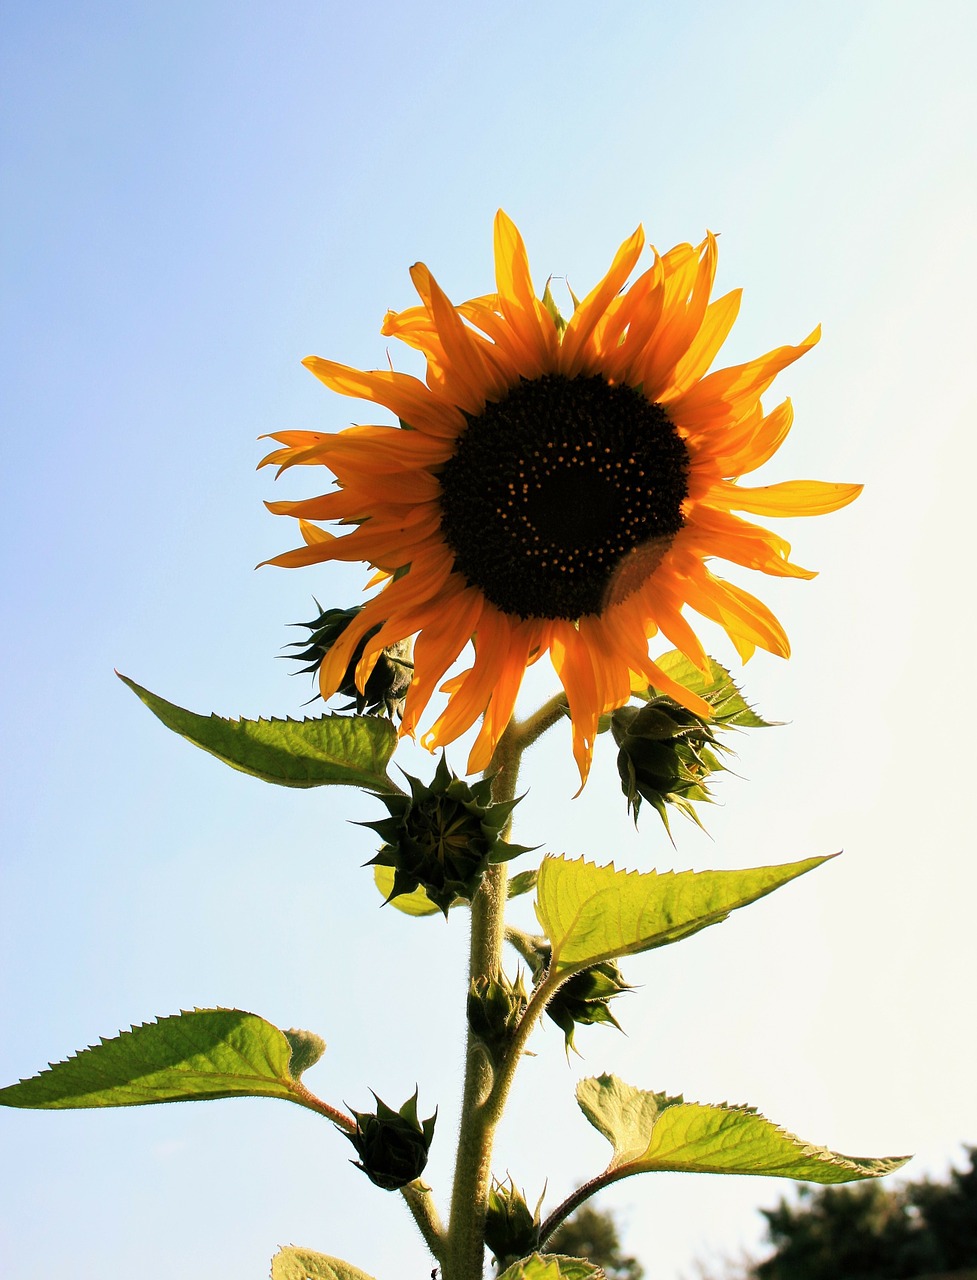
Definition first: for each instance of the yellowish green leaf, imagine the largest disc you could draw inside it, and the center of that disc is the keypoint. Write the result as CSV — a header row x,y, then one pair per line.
x,y
650,1131
718,688
412,904
552,1266
302,1264
591,913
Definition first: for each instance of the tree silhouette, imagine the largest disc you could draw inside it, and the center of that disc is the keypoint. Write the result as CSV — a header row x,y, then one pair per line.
x,y
867,1232
592,1234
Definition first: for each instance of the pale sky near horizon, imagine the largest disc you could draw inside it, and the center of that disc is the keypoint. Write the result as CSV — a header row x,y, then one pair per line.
x,y
196,196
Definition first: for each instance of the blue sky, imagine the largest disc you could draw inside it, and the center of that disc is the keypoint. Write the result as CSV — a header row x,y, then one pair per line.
x,y
195,197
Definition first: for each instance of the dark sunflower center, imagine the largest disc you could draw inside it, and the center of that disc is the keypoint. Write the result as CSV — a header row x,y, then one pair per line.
x,y
563,495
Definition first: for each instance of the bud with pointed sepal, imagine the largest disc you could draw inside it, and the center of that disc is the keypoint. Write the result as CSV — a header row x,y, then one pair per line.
x,y
583,999
511,1229
389,680
495,1007
665,755
443,836
392,1145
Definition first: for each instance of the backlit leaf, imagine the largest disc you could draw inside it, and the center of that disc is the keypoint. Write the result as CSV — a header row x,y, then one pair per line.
x,y
302,1264
650,1131
591,913
552,1266
330,750
411,904
718,688
192,1056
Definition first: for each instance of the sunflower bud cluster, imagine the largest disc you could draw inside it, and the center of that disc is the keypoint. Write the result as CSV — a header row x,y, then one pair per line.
x,y
495,1006
511,1228
443,837
389,680
392,1145
665,755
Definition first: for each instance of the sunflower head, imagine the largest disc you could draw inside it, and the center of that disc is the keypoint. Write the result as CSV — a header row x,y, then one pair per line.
x,y
554,487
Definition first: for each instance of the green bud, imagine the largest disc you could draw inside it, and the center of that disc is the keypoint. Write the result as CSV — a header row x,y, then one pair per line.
x,y
583,999
392,1145
307,1048
511,1229
443,836
389,680
665,755
494,1010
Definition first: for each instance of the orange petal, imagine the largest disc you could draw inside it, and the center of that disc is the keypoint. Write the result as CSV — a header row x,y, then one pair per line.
x,y
404,395
584,319
791,498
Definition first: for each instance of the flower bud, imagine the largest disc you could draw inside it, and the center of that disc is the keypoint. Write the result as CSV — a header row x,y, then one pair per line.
x,y
511,1230
495,1007
583,999
306,1050
392,1145
389,680
665,755
443,836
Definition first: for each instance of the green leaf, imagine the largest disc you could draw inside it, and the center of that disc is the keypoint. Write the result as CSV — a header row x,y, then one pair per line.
x,y
302,1264
348,751
551,1266
522,882
592,913
718,689
192,1056
650,1131
411,904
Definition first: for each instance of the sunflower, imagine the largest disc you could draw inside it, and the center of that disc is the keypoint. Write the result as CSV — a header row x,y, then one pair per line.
x,y
554,487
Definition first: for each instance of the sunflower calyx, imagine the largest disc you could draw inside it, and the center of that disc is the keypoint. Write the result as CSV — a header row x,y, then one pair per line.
x,y
392,1145
511,1227
388,682
495,1007
583,999
443,837
665,754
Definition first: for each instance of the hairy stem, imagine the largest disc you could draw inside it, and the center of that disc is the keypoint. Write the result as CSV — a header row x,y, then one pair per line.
x,y
465,1244
483,1100
425,1214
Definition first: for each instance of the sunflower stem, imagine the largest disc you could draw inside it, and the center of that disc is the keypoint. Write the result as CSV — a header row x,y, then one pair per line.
x,y
464,1250
550,713
421,1204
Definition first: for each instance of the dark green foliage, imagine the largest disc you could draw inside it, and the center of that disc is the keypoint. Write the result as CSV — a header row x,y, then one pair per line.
x,y
592,1234
869,1232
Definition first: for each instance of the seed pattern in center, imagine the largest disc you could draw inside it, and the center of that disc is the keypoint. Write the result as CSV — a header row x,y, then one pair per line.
x,y
561,492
